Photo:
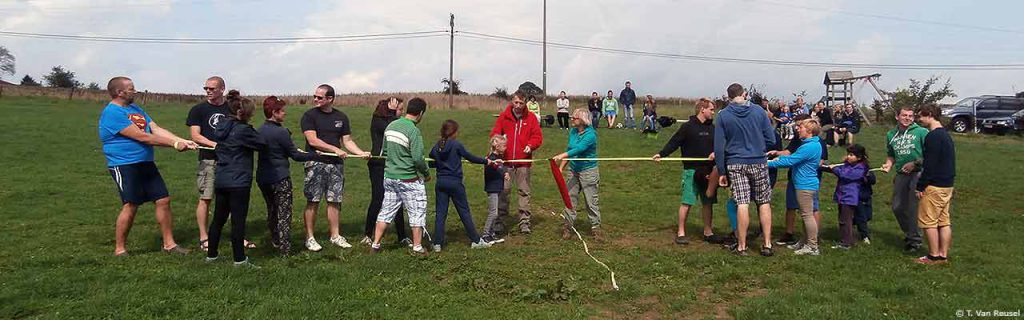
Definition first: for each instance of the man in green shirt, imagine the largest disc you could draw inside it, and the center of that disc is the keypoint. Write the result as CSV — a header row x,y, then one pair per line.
x,y
405,171
904,151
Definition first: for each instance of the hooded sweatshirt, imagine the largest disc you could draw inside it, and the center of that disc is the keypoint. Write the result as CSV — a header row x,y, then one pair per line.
x,y
906,145
851,177
520,132
236,141
742,134
448,159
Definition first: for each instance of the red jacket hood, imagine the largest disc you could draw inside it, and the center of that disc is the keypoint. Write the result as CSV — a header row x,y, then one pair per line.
x,y
528,134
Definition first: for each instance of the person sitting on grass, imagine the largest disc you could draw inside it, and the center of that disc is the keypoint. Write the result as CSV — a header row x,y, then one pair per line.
x,y
583,174
448,154
236,141
851,174
128,135
611,108
805,162
650,114
533,106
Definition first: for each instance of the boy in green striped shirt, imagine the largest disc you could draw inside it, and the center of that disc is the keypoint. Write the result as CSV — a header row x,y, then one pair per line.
x,y
405,171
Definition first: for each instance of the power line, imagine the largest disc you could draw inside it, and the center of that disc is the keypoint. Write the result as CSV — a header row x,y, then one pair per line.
x,y
484,36
219,41
894,18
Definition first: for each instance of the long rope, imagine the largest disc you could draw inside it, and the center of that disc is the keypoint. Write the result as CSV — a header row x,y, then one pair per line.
x,y
615,284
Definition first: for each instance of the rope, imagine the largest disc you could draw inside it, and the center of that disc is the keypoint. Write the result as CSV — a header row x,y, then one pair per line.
x,y
615,285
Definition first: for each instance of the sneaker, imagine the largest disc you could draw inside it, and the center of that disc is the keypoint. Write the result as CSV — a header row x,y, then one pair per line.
x,y
210,259
312,245
742,253
374,248
480,244
731,246
807,250
341,242
682,240
492,240
435,248
840,246
911,247
406,241
787,239
714,239
767,252
729,240
177,250
525,229
796,246
366,240
929,259
419,251
246,264
866,240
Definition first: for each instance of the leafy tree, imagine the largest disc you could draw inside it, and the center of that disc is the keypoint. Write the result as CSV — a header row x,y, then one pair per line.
x,y
528,88
29,82
6,62
93,86
920,93
501,93
61,78
454,86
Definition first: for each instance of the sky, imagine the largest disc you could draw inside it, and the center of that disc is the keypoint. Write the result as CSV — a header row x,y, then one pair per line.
x,y
842,31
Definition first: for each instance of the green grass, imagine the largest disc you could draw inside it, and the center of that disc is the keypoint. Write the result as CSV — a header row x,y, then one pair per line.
x,y
58,207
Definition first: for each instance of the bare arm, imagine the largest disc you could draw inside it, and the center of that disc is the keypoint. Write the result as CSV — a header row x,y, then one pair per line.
x,y
351,146
199,138
318,144
159,137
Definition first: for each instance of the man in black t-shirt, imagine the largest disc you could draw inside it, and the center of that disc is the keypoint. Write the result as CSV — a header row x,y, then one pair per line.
x,y
325,130
202,119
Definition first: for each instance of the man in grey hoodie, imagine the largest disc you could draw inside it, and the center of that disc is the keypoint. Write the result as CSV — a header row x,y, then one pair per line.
x,y
742,134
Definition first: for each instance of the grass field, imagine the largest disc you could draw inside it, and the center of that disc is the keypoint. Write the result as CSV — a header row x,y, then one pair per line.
x,y
58,207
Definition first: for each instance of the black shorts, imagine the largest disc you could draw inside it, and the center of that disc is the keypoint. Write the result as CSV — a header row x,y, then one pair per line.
x,y
138,183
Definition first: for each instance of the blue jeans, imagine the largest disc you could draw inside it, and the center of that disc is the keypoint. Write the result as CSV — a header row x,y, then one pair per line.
x,y
595,118
444,190
629,121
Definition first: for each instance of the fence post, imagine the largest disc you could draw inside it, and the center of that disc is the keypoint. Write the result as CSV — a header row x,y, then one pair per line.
x,y
1,89
144,95
71,94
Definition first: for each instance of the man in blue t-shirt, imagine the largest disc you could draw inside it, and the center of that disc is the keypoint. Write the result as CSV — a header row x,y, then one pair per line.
x,y
128,135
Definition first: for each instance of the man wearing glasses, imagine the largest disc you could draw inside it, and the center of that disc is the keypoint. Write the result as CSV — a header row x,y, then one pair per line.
x,y
202,120
325,130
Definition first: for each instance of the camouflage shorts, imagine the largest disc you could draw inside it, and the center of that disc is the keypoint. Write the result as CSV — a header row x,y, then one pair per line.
x,y
323,182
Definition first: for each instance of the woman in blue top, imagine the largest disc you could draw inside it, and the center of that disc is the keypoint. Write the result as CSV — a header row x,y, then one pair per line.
x,y
448,154
583,175
804,165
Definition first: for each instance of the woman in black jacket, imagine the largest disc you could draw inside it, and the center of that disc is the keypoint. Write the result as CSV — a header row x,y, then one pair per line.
x,y
387,111
273,175
236,141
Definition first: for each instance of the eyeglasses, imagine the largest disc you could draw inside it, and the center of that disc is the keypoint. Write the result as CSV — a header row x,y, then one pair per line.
x,y
209,88
320,97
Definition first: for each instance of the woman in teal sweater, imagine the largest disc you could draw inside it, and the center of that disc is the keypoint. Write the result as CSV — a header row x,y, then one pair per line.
x,y
583,175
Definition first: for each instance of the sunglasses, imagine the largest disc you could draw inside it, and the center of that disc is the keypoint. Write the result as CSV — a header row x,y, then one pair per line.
x,y
320,97
209,88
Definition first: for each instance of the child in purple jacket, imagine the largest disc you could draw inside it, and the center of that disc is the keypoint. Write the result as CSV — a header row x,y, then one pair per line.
x,y
851,175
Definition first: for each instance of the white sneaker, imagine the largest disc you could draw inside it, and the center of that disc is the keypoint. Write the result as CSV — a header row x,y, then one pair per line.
x,y
312,245
341,242
366,240
796,246
807,250
436,248
480,244
866,240
407,242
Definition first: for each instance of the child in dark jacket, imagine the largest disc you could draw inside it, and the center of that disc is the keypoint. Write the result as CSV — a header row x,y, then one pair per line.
x,y
448,154
864,209
495,176
851,174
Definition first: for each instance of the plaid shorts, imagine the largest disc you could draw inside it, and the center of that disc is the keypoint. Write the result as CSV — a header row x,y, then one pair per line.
x,y
749,183
324,182
412,194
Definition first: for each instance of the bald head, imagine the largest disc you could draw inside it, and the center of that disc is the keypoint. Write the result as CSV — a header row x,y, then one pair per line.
x,y
116,85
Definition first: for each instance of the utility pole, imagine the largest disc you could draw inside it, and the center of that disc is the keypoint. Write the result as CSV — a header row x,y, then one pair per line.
x,y
451,59
544,81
